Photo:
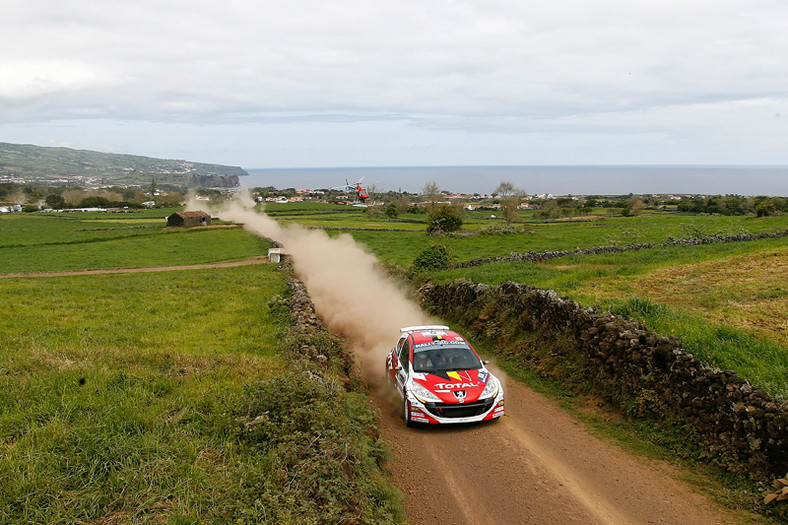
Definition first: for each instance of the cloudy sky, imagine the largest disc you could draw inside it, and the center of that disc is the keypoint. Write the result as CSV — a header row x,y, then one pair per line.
x,y
309,83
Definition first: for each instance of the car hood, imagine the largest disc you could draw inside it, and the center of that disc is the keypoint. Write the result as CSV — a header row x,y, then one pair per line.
x,y
450,385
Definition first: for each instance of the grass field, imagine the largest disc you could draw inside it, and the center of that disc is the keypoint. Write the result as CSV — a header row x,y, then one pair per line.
x,y
402,247
50,242
116,390
727,302
121,395
167,397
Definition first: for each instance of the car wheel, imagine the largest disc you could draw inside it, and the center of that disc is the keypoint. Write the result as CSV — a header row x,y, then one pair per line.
x,y
406,412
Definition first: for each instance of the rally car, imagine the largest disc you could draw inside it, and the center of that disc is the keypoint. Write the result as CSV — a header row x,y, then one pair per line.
x,y
441,378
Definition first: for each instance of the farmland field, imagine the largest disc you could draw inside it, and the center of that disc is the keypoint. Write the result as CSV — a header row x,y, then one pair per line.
x,y
127,397
122,394
52,242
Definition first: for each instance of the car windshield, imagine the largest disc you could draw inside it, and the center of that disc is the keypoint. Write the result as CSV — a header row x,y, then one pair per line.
x,y
435,358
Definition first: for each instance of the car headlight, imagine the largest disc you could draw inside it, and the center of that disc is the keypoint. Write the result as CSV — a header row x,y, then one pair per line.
x,y
491,389
422,393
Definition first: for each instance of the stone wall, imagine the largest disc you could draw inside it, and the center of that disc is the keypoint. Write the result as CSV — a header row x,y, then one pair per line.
x,y
544,256
742,427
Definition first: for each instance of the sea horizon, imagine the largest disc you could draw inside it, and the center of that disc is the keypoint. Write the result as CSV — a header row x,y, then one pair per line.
x,y
748,180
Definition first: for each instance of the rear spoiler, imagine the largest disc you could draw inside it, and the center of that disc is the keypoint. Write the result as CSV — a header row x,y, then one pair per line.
x,y
423,328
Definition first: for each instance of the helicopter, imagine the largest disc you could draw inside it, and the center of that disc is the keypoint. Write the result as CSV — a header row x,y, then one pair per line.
x,y
361,193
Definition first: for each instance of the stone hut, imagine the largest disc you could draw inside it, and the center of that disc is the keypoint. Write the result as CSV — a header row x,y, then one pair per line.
x,y
187,219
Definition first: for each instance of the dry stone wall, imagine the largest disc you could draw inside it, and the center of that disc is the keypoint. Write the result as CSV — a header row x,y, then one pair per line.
x,y
742,426
596,250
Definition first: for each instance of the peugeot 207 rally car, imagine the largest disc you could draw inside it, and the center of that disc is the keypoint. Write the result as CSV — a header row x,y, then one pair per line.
x,y
441,378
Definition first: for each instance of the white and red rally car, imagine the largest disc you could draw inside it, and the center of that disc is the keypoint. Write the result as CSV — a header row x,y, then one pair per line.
x,y
441,378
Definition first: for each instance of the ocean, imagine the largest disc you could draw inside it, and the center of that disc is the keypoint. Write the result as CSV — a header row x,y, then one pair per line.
x,y
556,180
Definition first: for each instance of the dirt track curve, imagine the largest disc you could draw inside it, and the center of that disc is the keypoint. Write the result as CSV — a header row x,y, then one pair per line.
x,y
533,466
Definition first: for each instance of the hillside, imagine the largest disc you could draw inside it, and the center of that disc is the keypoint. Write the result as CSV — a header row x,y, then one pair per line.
x,y
27,163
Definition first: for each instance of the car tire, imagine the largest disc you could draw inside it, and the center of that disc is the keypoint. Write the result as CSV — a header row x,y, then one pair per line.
x,y
406,411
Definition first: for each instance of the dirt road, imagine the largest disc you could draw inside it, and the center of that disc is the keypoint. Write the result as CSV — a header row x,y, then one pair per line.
x,y
535,465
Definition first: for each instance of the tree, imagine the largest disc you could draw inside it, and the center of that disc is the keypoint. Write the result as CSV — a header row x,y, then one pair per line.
x,y
509,199
56,201
392,212
444,219
431,191
765,208
94,201
633,207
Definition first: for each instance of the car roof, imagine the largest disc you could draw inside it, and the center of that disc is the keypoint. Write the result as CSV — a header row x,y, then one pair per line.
x,y
427,336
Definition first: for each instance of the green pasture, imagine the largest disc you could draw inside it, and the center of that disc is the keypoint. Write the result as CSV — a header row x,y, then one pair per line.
x,y
716,325
402,247
117,391
169,398
39,242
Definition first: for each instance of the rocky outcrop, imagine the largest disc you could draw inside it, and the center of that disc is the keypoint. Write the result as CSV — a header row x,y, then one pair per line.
x,y
197,180
648,375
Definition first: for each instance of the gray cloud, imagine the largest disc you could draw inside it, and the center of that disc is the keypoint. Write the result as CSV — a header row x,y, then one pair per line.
x,y
612,68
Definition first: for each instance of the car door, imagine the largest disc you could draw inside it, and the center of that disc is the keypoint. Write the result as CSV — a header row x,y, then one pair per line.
x,y
403,371
392,360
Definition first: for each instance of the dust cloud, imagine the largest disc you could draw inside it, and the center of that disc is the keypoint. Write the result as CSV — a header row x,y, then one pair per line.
x,y
352,296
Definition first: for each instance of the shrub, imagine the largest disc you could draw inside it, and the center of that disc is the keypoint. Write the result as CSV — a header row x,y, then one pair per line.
x,y
436,256
316,447
444,219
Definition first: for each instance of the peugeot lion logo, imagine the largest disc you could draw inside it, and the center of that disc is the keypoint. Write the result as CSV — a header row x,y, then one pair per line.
x,y
460,395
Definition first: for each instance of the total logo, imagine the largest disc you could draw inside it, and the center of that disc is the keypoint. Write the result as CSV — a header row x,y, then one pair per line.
x,y
448,386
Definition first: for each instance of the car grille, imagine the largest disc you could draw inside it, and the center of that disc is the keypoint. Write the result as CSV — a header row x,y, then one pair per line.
x,y
451,410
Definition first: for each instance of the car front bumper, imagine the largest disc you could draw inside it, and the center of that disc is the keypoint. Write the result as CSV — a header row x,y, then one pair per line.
x,y
445,413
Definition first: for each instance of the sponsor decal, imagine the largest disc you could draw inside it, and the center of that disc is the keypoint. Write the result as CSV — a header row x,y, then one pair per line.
x,y
439,342
455,376
483,376
454,386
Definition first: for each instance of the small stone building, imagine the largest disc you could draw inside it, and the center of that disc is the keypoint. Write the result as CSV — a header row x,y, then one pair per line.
x,y
187,219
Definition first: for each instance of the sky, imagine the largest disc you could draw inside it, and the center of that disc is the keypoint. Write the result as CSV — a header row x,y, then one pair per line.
x,y
308,83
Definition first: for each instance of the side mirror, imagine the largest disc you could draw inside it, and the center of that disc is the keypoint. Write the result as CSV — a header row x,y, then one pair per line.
x,y
485,362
